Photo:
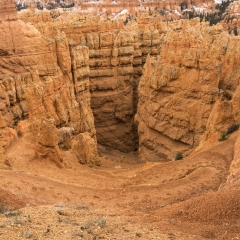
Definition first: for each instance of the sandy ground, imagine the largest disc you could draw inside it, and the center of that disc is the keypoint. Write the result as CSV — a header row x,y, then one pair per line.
x,y
121,199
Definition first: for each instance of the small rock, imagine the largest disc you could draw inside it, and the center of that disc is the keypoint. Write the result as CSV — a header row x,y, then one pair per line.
x,y
139,235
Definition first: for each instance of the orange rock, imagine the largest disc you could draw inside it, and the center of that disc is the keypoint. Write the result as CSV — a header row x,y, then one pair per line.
x,y
189,91
47,142
85,149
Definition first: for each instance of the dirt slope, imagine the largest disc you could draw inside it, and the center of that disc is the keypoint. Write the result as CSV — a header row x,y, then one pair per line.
x,y
122,197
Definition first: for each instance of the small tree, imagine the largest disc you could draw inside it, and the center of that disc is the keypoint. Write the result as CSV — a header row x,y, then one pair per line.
x,y
234,127
223,137
179,156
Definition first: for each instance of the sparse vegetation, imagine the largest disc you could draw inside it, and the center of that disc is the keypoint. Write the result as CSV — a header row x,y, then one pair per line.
x,y
12,214
223,137
80,235
234,127
163,12
235,31
27,233
128,19
18,221
179,156
214,17
91,225
60,212
80,207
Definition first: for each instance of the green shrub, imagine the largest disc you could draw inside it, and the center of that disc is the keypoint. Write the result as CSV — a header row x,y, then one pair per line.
x,y
234,127
179,156
223,137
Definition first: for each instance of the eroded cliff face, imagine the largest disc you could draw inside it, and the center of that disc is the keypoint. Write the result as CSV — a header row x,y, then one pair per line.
x,y
38,85
190,92
117,55
77,65
116,58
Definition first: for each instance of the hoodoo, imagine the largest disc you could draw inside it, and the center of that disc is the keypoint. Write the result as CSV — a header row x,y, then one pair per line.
x,y
37,79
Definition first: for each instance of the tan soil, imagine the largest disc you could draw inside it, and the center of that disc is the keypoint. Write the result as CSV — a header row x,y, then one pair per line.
x,y
121,199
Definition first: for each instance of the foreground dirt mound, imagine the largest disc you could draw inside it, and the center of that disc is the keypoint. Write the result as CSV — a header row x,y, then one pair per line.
x,y
165,200
75,222
9,201
218,206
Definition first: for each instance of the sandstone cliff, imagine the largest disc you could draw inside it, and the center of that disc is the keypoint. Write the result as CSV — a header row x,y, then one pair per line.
x,y
37,82
116,57
190,92
75,58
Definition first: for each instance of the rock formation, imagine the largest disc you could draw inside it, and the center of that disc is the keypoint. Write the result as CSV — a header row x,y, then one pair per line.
x,y
85,149
165,88
80,65
116,57
4,160
47,142
37,82
7,135
234,171
190,92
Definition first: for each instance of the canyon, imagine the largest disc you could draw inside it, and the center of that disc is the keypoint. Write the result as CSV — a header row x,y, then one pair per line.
x,y
95,109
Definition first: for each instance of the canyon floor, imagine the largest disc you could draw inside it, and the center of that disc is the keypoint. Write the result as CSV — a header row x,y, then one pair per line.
x,y
120,199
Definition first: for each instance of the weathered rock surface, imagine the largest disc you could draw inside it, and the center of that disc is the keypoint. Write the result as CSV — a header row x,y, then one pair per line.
x,y
78,65
4,160
234,171
190,92
37,82
47,142
85,149
116,57
7,135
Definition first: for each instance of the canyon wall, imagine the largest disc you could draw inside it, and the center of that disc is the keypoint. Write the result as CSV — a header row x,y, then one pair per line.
x,y
117,54
77,65
42,88
190,92
116,57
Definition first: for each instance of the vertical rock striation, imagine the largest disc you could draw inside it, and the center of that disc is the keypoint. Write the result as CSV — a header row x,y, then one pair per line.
x,y
36,82
189,92
116,57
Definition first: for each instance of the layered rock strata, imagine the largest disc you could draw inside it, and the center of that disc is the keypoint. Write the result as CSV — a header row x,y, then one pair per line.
x,y
116,58
37,82
190,92
73,57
